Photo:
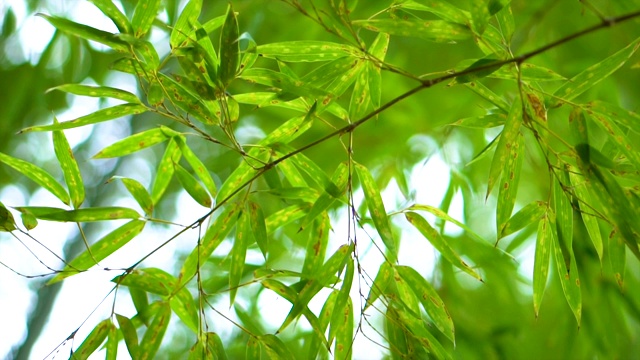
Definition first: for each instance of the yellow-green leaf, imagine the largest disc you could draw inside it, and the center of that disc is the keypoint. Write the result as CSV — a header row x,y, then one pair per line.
x,y
508,139
529,214
155,332
95,338
165,170
129,334
69,166
380,283
183,25
544,241
258,227
243,173
307,50
185,307
198,167
229,48
111,10
238,254
7,223
585,202
188,102
193,187
439,243
344,331
87,32
138,191
134,143
38,175
377,210
617,256
569,278
143,16
275,348
510,181
104,247
431,30
97,91
107,114
252,349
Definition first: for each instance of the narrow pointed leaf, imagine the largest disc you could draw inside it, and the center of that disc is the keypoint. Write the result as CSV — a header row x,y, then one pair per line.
x,y
303,51
97,91
95,338
198,167
569,278
285,216
481,122
107,114
624,117
596,73
69,166
441,9
339,320
619,137
129,334
316,245
229,48
377,210
185,307
431,30
134,143
193,187
139,192
238,254
508,139
510,181
143,16
187,101
38,175
325,200
151,280
380,283
104,247
275,348
87,32
617,256
243,173
585,201
529,214
82,215
430,300
344,331
112,12
183,26
439,243
258,227
165,170
544,242
152,338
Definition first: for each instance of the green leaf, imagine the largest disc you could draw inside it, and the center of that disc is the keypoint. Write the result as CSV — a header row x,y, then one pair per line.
x,y
165,170
136,142
155,332
439,243
87,32
188,102
377,210
344,332
482,10
617,256
229,48
431,30
482,122
129,334
252,349
7,223
430,300
342,312
360,96
380,283
285,216
528,72
238,254
112,12
508,139
185,307
138,191
183,26
104,247
446,217
38,175
193,187
143,16
214,344
258,227
275,348
316,246
111,346
150,280
81,215
198,167
622,116
243,173
214,236
569,278
529,214
28,220
415,328
479,69
95,338
541,262
305,51
97,91
596,73
585,201
69,166
107,114
440,8
510,181
288,85
619,137
489,95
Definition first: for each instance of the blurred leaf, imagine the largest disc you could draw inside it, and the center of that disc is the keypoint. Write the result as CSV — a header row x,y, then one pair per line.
x,y
152,338
81,215
111,10
541,262
440,8
275,348
69,166
107,114
87,32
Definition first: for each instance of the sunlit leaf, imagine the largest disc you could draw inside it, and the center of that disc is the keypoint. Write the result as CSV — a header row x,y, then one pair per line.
x,y
481,122
252,349
508,139
104,247
488,95
107,114
143,16
316,246
569,278
245,172
138,191
136,142
439,243
81,215
297,51
185,307
626,118
432,30
585,203
187,101
596,73
183,26
38,175
97,91
275,348
238,254
152,338
165,170
344,332
258,227
111,10
529,214
87,32
129,334
198,167
342,312
510,181
69,166
544,241
380,283
442,9
193,187
95,338
7,223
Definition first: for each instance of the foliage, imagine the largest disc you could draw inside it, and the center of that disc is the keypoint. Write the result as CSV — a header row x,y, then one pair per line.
x,y
565,162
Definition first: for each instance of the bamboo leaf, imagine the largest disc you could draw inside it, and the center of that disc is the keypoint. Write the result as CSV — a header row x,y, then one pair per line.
x,y
439,243
112,12
81,215
430,300
569,278
510,181
165,170
215,346
183,26
377,210
69,166
143,16
155,332
86,32
446,217
431,30
342,312
285,216
238,254
229,48
198,167
316,246
585,201
596,73
184,306
380,283
242,174
339,178
97,91
481,122
344,332
529,214
622,116
107,114
258,227
104,247
95,338
38,175
275,348
508,139
193,187
617,256
415,328
528,72
150,280
138,191
7,223
544,241
305,51
253,349
441,9
129,334
489,95
188,102
360,96
629,148
136,142
214,236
